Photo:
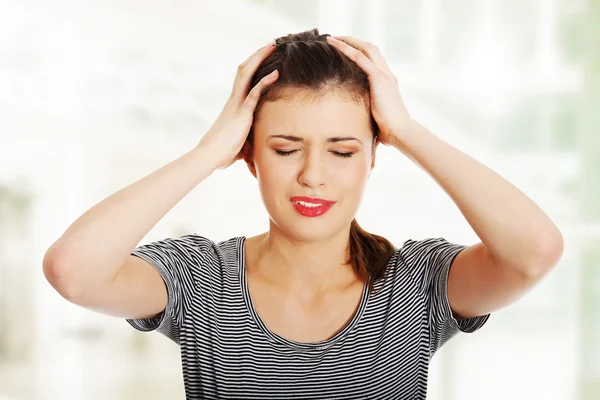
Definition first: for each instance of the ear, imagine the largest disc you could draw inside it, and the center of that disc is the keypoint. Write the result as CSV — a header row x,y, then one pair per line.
x,y
248,156
374,152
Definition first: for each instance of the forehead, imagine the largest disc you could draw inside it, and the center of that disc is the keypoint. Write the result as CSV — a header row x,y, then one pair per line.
x,y
313,117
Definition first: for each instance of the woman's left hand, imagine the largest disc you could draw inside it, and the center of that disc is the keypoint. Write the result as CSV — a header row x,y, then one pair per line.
x,y
387,105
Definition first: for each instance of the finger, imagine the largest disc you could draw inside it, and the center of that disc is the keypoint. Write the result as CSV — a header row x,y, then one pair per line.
x,y
357,56
369,49
246,70
242,65
254,96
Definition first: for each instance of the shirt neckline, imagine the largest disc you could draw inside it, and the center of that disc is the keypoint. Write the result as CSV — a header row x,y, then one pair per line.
x,y
323,344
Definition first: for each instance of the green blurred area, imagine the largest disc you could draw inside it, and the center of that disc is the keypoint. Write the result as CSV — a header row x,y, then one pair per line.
x,y
562,121
585,44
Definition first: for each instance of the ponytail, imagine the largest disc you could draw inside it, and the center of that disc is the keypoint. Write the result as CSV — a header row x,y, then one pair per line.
x,y
369,254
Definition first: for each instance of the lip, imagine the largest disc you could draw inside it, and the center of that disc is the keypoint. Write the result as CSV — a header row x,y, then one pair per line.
x,y
313,200
322,208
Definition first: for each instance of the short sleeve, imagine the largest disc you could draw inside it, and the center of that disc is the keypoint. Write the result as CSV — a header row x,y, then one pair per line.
x,y
429,261
180,262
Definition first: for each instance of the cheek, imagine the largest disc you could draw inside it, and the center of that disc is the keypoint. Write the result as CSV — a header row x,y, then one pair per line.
x,y
353,177
272,179
272,175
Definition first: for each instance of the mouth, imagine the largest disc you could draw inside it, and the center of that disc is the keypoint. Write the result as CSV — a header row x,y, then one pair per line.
x,y
310,206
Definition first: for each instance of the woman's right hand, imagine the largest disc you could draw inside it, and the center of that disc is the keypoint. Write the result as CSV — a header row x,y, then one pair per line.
x,y
227,135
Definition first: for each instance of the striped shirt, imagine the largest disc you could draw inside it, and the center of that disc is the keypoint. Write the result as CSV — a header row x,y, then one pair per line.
x,y
383,351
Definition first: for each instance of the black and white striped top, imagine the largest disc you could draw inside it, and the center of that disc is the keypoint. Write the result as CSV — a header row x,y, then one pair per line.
x,y
227,352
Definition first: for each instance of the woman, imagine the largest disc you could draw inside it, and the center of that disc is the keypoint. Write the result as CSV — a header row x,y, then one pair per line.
x,y
316,307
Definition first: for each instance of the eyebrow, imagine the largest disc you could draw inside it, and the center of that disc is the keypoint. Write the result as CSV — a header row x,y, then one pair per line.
x,y
334,139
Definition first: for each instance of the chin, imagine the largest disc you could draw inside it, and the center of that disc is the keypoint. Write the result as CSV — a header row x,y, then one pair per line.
x,y
310,229
309,235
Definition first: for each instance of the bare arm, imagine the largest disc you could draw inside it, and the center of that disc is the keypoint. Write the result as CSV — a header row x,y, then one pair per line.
x,y
92,250
91,263
519,243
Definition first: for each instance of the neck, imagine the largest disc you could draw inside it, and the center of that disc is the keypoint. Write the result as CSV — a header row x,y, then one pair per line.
x,y
307,267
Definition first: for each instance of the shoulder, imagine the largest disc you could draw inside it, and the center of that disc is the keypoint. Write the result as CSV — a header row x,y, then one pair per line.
x,y
196,242
428,249
428,259
219,251
189,249
418,262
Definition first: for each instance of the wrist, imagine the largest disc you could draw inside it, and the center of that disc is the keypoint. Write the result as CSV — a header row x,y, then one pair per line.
x,y
206,156
402,134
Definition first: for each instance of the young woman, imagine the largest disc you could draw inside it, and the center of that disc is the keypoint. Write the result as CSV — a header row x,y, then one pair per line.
x,y
315,308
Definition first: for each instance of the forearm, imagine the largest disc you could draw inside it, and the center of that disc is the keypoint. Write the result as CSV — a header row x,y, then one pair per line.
x,y
513,228
93,248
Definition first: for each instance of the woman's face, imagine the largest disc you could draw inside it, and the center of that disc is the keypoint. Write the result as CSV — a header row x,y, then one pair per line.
x,y
319,148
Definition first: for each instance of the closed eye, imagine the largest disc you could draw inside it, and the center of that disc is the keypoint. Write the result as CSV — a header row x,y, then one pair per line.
x,y
336,153
346,155
285,153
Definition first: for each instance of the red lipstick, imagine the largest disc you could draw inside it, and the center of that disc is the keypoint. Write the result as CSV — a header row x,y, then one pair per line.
x,y
310,206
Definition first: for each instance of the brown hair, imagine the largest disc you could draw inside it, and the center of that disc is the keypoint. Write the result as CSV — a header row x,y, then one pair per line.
x,y
307,64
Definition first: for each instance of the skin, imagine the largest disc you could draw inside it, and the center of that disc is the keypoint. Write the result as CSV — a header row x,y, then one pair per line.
x,y
91,263
519,243
298,267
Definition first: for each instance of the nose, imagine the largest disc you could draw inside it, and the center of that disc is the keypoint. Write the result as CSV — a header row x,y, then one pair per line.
x,y
311,171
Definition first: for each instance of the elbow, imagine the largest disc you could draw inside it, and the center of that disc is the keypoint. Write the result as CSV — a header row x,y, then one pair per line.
x,y
548,255
57,274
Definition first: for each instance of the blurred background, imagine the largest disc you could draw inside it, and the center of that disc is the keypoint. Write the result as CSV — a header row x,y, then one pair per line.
x,y
96,95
